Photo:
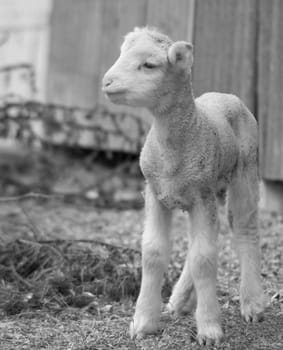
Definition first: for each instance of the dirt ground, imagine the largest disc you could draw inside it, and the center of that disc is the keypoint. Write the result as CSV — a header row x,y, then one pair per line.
x,y
105,325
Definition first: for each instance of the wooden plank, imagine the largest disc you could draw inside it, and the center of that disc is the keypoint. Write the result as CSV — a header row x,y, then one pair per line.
x,y
175,18
270,88
225,48
74,52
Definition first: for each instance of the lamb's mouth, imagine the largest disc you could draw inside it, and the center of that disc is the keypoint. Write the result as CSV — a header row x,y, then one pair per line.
x,y
113,93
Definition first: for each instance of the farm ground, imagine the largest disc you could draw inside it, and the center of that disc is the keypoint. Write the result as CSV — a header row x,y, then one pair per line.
x,y
103,323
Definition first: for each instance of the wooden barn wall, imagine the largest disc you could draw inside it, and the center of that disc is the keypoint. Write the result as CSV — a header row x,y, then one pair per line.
x,y
270,89
225,48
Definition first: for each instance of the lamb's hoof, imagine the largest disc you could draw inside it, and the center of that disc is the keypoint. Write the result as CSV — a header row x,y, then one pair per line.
x,y
166,315
252,308
141,326
180,308
176,310
252,312
210,335
171,310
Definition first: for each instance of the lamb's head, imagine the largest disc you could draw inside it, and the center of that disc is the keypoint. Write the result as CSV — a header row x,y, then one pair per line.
x,y
149,65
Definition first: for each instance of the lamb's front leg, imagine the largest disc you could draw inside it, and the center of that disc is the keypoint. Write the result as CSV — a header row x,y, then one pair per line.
x,y
156,246
203,262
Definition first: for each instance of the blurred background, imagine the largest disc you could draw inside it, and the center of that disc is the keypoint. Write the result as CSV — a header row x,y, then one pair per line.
x,y
53,55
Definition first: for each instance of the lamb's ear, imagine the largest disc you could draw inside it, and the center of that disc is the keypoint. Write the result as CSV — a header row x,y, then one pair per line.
x,y
180,54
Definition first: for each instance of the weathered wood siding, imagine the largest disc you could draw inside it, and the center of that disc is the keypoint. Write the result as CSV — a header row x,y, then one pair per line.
x,y
175,18
270,88
74,54
225,48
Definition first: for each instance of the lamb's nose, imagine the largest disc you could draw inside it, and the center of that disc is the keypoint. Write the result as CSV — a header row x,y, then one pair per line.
x,y
107,81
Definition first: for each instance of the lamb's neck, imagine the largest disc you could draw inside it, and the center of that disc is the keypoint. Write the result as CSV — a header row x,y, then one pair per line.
x,y
175,120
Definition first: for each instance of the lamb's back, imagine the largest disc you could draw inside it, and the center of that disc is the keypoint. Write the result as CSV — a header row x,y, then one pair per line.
x,y
235,124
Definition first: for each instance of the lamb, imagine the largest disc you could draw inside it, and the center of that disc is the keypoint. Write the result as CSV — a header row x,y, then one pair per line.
x,y
197,150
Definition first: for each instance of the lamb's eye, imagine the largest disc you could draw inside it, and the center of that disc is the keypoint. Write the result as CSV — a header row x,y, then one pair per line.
x,y
149,65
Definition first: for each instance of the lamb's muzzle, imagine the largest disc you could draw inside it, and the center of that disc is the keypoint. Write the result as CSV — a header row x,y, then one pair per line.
x,y
111,88
196,150
106,82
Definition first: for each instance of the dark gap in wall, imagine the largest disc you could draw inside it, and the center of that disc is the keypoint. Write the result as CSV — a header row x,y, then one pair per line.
x,y
256,60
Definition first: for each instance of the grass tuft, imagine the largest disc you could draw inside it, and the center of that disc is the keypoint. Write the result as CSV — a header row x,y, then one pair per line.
x,y
59,273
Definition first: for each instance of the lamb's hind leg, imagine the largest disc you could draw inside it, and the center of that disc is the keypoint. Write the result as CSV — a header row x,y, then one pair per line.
x,y
156,246
243,215
183,298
